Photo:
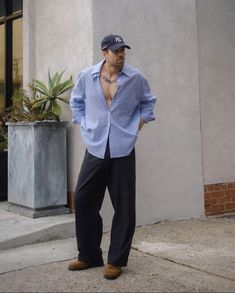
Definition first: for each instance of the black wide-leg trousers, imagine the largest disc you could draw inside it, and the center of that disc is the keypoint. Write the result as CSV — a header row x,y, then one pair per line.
x,y
118,175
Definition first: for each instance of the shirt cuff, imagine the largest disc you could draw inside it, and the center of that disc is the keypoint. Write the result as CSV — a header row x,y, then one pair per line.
x,y
146,117
77,119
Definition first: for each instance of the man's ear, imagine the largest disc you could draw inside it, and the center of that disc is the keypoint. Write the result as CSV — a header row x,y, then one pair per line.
x,y
104,52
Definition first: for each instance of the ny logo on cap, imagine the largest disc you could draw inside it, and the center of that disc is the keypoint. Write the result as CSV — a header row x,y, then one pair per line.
x,y
118,39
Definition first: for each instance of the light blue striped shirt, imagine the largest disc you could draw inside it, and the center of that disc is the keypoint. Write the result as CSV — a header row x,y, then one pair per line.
x,y
119,122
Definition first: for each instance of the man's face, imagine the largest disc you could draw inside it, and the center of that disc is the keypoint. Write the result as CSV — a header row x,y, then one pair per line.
x,y
115,58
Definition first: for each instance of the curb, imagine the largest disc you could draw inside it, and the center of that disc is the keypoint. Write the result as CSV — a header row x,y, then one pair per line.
x,y
55,232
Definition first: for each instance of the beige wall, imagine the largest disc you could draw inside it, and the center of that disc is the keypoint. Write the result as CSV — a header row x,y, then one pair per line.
x,y
58,35
163,38
216,34
185,49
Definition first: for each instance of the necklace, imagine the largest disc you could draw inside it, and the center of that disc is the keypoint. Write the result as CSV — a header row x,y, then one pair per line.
x,y
109,81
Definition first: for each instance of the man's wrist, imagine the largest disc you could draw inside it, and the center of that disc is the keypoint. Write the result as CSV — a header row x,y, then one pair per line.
x,y
141,124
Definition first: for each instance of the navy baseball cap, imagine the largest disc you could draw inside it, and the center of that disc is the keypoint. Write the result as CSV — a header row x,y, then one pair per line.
x,y
113,43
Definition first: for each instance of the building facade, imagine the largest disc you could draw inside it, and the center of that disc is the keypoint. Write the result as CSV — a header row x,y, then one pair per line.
x,y
186,49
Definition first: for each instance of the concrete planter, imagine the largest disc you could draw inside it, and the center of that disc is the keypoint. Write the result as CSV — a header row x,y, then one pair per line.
x,y
37,168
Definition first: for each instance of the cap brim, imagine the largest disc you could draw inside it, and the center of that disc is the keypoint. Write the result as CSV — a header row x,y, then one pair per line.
x,y
118,46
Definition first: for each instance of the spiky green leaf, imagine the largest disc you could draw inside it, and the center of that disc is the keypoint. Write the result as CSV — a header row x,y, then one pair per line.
x,y
39,103
68,84
59,77
39,84
40,91
54,79
50,85
65,100
65,89
56,90
56,108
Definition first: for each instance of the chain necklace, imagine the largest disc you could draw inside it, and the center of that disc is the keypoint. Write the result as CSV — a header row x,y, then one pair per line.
x,y
109,81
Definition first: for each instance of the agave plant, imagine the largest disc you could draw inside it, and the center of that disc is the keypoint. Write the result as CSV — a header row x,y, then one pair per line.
x,y
47,96
22,109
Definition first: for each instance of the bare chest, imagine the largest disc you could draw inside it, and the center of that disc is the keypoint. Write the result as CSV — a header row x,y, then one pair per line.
x,y
109,89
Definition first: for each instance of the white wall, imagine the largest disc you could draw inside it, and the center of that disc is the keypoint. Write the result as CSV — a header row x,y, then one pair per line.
x,y
216,34
163,37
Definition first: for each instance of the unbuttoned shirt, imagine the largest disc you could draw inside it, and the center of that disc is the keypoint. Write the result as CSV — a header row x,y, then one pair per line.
x,y
120,122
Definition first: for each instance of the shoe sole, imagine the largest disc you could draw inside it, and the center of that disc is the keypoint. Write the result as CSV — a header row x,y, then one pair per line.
x,y
112,277
85,268
79,269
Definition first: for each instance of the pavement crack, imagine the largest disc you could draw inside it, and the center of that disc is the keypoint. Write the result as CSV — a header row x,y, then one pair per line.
x,y
31,266
184,265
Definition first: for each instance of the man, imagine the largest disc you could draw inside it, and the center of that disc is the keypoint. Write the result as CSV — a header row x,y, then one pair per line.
x,y
111,101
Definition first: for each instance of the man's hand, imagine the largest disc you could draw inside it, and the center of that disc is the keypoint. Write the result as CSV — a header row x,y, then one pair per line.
x,y
141,124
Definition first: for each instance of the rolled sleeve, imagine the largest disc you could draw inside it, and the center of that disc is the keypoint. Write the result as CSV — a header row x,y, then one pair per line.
x,y
77,100
147,103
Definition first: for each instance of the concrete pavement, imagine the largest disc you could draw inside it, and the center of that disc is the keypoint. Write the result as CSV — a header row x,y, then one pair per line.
x,y
181,256
17,230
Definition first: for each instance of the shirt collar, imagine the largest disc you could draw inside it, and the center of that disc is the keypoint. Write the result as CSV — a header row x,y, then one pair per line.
x,y
96,70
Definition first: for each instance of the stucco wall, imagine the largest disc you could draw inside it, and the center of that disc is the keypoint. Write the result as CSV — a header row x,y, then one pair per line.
x,y
57,36
163,37
216,34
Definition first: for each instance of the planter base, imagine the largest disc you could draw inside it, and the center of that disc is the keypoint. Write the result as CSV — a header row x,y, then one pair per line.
x,y
36,213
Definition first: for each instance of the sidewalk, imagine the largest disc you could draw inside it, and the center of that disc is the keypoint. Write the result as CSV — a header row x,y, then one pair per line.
x,y
17,230
181,256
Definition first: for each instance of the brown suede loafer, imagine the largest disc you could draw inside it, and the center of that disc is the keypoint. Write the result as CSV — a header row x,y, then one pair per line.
x,y
77,265
112,272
